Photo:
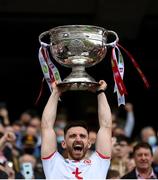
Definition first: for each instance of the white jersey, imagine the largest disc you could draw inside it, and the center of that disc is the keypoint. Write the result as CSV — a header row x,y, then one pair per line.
x,y
56,167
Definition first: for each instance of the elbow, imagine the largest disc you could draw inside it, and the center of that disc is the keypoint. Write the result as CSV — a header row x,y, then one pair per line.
x,y
106,123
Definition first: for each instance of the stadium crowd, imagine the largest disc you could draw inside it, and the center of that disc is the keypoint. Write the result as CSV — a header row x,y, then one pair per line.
x,y
20,144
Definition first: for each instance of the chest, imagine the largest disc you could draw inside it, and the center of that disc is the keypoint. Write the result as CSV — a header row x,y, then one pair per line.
x,y
78,170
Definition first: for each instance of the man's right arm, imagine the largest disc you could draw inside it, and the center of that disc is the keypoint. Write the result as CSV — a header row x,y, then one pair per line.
x,y
49,144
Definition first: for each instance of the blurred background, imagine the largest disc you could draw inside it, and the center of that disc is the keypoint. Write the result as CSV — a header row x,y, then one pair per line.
x,y
136,23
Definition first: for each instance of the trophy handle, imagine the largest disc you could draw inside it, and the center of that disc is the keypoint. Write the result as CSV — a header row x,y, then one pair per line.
x,y
44,35
112,44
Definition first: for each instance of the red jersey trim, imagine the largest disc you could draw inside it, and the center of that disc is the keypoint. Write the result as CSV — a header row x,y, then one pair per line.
x,y
48,157
103,156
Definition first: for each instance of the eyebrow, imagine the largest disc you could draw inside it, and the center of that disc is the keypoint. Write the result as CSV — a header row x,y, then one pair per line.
x,y
81,134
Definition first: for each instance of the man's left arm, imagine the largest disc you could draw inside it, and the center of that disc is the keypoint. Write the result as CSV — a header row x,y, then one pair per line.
x,y
104,136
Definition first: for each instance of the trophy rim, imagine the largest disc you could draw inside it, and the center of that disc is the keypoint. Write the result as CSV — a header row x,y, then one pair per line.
x,y
78,25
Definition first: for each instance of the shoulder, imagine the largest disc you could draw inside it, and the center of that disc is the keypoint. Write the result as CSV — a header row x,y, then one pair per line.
x,y
97,158
155,169
130,175
55,155
97,155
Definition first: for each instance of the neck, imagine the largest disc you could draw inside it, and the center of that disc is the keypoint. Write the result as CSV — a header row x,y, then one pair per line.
x,y
144,172
71,158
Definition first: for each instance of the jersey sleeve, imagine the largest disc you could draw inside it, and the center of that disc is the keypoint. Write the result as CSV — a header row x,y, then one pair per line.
x,y
50,162
101,163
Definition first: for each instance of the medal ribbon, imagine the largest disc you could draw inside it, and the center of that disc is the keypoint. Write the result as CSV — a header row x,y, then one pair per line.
x,y
50,72
136,66
118,73
117,77
120,99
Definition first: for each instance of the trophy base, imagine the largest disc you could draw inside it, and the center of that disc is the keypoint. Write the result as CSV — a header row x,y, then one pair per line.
x,y
79,79
79,85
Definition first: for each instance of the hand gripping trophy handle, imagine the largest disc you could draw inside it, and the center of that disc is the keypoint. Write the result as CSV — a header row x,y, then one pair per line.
x,y
78,47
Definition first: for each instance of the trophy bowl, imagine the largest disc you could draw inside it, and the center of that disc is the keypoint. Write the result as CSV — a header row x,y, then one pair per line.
x,y
78,47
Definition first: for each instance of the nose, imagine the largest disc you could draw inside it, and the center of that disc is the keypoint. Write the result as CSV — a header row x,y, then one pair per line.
x,y
78,138
143,157
118,149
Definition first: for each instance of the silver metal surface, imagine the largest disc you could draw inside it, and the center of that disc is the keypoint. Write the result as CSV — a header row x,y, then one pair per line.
x,y
78,47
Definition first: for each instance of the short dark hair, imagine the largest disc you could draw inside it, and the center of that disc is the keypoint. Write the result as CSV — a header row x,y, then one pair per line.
x,y
76,124
120,138
142,145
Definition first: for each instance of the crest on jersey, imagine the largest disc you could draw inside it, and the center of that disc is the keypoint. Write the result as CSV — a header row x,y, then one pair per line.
x,y
87,161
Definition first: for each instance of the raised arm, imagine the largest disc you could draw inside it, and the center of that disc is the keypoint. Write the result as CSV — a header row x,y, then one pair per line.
x,y
130,120
104,136
48,119
7,137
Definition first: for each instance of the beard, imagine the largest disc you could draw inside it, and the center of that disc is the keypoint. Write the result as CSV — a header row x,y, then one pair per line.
x,y
77,153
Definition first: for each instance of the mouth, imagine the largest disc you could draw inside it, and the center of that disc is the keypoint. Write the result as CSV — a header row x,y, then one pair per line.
x,y
78,148
143,163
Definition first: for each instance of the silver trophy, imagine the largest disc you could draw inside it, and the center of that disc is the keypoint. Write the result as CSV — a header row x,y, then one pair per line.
x,y
78,47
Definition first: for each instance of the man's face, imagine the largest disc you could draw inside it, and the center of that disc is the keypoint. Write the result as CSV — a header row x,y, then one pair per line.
x,y
143,158
121,149
147,133
76,142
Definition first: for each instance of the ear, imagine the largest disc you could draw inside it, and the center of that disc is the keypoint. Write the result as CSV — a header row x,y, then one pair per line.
x,y
89,144
63,144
